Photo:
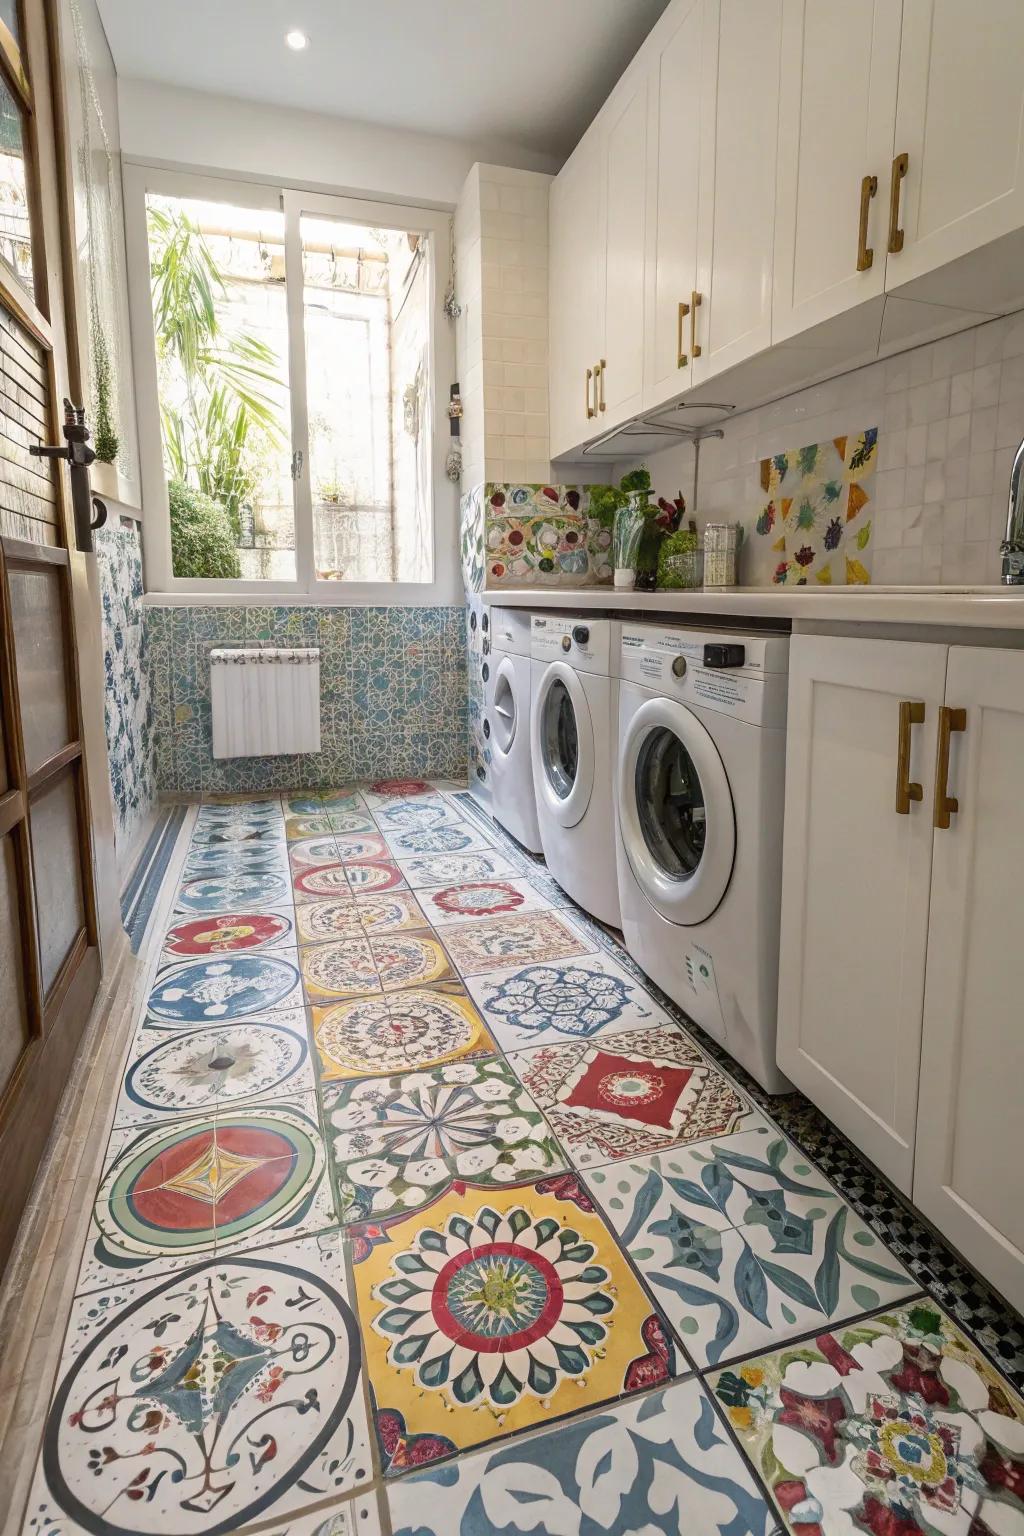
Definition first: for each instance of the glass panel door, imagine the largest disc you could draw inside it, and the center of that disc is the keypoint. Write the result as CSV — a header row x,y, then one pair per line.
x,y
670,804
561,741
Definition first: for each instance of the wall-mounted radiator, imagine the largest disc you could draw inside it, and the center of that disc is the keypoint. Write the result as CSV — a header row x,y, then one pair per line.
x,y
266,701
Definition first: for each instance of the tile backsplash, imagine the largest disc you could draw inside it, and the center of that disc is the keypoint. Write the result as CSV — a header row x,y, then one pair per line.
x,y
950,416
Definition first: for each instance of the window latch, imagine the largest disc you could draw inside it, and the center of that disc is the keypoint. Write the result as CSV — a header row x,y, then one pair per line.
x,y
297,464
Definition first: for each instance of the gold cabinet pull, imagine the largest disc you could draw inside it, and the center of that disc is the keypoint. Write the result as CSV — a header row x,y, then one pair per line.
x,y
590,409
865,253
899,170
950,720
911,713
599,373
695,303
681,357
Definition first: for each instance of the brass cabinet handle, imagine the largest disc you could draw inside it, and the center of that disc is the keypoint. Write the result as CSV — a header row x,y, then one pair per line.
x,y
911,713
590,409
695,303
950,720
599,373
899,170
865,253
681,357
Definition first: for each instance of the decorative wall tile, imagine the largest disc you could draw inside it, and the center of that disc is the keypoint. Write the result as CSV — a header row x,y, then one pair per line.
x,y
533,535
815,524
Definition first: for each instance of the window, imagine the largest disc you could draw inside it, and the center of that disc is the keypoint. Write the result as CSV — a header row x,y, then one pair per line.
x,y
292,391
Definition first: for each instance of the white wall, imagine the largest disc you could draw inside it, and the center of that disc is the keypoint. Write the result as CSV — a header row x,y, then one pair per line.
x,y
163,124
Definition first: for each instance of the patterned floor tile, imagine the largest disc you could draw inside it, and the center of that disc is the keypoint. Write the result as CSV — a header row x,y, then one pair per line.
x,y
350,967
896,1425
341,968
479,901
228,932
217,989
379,1035
391,913
236,859
312,852
398,1143
186,1406
575,1000
372,877
317,824
418,815
240,830
325,882
319,922
355,1516
513,939
632,1093
185,1071
448,837
661,1465
456,868
745,1244
496,1311
248,889
357,846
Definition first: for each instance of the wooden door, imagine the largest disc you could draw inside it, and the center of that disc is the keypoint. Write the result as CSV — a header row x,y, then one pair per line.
x,y
576,293
970,1128
620,384
673,171
837,112
960,123
739,98
49,949
855,884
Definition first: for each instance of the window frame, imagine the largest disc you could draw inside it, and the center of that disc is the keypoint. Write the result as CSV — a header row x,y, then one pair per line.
x,y
445,586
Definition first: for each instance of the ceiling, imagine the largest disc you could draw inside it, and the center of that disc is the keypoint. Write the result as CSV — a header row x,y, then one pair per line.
x,y
517,72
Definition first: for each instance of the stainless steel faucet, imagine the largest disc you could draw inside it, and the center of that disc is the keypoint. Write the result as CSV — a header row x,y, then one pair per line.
x,y
1012,547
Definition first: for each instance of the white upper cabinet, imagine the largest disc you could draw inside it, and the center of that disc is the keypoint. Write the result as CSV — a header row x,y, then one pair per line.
x,y
621,379
836,124
739,120
576,295
970,1134
960,124
673,180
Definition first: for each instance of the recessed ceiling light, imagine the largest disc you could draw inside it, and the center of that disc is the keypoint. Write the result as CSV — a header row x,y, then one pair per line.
x,y
296,40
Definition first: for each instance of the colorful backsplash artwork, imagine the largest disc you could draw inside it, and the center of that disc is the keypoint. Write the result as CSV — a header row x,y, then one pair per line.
x,y
817,519
533,535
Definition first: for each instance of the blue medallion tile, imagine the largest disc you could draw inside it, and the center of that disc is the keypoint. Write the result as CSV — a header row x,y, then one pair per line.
x,y
218,988
574,999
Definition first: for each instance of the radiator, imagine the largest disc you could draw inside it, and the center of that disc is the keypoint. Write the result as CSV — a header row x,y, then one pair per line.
x,y
266,701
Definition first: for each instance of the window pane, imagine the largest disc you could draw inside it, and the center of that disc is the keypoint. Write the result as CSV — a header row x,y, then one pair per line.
x,y
13,1018
37,618
60,905
15,224
220,317
366,311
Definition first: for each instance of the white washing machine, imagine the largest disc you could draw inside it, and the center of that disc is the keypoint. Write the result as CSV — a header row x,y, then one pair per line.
x,y
701,784
572,732
513,803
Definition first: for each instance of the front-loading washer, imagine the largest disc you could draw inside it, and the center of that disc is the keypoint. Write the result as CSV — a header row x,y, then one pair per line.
x,y
572,732
701,785
509,689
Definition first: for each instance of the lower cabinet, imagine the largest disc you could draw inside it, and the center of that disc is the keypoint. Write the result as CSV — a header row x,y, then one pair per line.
x,y
900,1007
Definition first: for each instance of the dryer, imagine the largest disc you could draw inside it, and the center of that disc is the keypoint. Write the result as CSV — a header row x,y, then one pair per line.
x,y
700,783
513,803
572,731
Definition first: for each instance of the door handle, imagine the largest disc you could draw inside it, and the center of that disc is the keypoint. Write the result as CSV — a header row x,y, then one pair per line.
x,y
911,714
899,170
79,455
681,357
590,408
599,373
950,720
695,303
865,253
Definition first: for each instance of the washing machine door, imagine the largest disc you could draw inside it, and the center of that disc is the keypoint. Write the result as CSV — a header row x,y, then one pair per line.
x,y
676,816
562,735
504,711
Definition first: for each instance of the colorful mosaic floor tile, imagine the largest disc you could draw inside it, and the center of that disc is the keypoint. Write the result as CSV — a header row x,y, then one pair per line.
x,y
513,939
743,1243
573,1000
397,1143
392,1032
661,1464
479,900
456,868
227,933
496,1311
896,1425
631,1093
448,837
316,922
226,986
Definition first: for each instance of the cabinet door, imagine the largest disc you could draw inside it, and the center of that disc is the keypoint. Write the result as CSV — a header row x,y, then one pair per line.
x,y
673,172
576,293
622,374
970,1133
736,218
836,120
960,121
855,886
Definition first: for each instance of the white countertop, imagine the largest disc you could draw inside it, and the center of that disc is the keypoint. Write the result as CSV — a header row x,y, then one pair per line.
x,y
979,607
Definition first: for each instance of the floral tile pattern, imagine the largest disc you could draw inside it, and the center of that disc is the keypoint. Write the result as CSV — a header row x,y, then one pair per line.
x,y
896,1425
743,1243
495,1311
397,1143
656,1462
375,1064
